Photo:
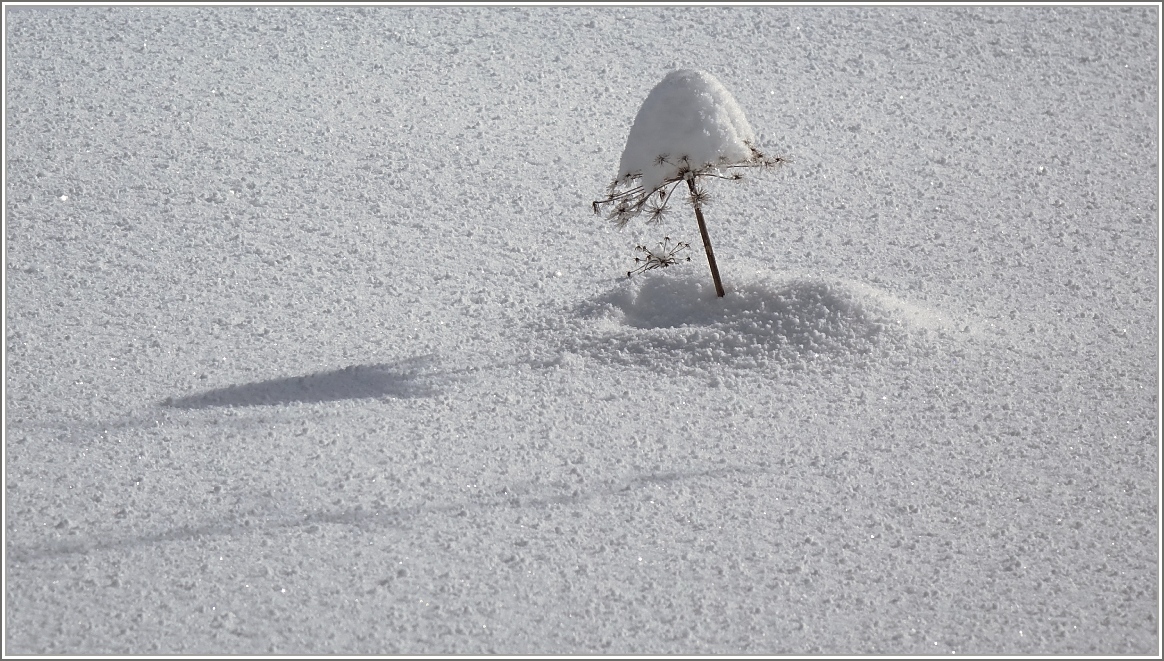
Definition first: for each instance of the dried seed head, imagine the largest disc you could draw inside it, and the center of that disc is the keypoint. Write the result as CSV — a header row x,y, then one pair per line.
x,y
664,255
627,199
699,196
772,162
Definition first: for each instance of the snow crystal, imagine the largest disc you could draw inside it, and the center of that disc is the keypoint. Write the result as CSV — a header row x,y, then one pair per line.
x,y
688,114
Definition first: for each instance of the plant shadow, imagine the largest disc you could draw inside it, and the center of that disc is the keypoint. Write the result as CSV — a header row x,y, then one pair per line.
x,y
402,380
263,521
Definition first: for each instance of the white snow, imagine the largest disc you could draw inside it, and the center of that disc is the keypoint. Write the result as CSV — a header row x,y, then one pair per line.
x,y
678,321
688,115
303,356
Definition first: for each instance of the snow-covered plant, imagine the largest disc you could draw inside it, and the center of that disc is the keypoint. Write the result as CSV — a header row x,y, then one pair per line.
x,y
689,128
662,256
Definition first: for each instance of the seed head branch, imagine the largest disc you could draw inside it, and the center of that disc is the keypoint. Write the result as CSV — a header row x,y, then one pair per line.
x,y
626,198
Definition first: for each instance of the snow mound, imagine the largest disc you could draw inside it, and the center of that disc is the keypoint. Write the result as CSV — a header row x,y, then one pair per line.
x,y
688,114
661,320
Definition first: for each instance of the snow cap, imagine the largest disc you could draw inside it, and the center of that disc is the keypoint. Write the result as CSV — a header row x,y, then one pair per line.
x,y
689,113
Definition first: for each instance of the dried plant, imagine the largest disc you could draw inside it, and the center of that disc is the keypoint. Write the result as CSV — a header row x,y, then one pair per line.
x,y
626,198
663,256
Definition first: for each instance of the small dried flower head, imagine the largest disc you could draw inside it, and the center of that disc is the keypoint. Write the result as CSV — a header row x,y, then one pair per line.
x,y
699,196
656,213
665,254
773,162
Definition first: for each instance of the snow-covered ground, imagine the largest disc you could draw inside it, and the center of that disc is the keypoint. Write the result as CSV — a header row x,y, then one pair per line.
x,y
314,344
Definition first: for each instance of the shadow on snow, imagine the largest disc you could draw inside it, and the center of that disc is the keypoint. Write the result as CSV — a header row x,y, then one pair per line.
x,y
403,379
259,521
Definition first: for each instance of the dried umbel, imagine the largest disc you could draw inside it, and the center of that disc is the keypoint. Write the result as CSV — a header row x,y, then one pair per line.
x,y
627,199
663,255
691,115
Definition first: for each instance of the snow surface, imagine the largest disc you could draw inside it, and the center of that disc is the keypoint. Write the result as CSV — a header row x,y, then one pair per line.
x,y
305,356
688,117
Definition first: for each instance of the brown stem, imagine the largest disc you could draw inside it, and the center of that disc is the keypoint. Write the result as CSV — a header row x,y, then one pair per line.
x,y
706,240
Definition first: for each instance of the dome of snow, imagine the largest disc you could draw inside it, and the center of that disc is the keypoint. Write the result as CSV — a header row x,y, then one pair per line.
x,y
689,113
669,323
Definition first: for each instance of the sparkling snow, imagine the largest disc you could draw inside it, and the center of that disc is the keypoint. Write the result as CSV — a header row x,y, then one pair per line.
x,y
315,346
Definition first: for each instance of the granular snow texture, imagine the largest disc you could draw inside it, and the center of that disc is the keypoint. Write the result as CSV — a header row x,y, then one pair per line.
x,y
314,345
688,118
